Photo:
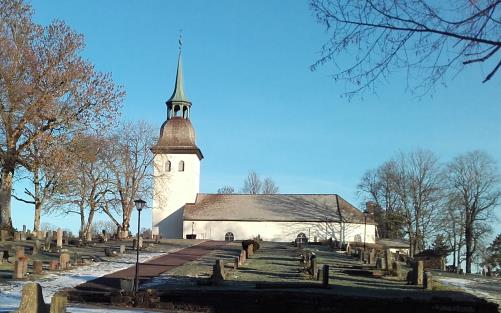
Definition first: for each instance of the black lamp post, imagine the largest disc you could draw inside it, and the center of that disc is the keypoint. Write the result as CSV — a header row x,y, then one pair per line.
x,y
365,225
140,204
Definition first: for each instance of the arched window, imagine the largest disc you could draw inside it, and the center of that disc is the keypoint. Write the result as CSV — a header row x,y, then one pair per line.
x,y
229,236
181,166
177,110
185,112
301,238
167,166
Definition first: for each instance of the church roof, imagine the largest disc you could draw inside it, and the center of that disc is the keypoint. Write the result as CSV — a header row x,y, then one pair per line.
x,y
272,207
178,93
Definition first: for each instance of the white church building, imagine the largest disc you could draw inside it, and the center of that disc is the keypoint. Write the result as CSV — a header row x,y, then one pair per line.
x,y
179,209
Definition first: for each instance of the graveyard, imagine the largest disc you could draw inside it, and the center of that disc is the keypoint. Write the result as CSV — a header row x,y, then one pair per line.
x,y
211,276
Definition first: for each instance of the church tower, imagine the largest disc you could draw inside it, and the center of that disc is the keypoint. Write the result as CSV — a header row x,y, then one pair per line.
x,y
176,164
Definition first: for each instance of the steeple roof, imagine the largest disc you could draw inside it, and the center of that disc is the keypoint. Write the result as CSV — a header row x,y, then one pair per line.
x,y
178,94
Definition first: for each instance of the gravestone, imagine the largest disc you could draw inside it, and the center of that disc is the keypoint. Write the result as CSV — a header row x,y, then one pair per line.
x,y
4,235
32,299
217,272
325,275
427,281
58,303
372,256
122,249
417,273
64,261
379,263
387,259
242,258
38,267
250,250
313,265
19,252
140,242
17,236
22,236
348,249
395,269
53,265
65,237
320,274
20,268
59,238
236,261
46,246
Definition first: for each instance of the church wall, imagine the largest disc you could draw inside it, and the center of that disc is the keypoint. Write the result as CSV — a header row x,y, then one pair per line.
x,y
172,190
277,231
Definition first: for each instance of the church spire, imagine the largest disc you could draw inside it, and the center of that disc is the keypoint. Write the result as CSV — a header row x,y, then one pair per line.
x,y
178,94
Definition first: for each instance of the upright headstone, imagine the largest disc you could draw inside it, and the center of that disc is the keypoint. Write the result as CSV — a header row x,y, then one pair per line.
x,y
17,236
65,237
387,259
59,238
38,267
325,277
418,273
48,240
313,265
64,261
242,258
372,256
217,272
395,269
19,252
32,299
134,244
140,242
4,235
58,303
250,250
122,249
236,261
20,268
427,281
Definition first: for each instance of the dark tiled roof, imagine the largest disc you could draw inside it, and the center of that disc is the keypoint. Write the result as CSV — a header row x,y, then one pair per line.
x,y
276,207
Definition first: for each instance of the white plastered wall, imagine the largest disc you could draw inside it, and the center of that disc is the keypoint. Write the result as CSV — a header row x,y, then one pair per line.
x,y
278,231
172,190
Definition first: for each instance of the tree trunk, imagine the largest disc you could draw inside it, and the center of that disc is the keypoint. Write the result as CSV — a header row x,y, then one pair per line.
x,y
38,203
5,197
468,238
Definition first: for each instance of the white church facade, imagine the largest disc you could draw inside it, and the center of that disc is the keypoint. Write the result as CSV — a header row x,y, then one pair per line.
x,y
179,209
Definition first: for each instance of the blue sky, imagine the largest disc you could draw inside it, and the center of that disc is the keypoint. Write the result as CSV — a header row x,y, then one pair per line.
x,y
256,104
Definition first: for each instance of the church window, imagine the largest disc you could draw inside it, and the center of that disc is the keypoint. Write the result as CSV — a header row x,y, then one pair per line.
x,y
181,166
167,166
301,238
185,112
229,236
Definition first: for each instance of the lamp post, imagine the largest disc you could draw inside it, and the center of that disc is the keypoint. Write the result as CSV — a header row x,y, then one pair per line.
x,y
365,225
140,204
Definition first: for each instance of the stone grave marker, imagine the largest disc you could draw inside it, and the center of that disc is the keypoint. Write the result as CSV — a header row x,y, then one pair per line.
x,y
19,252
140,242
122,249
65,237
387,259
38,267
313,265
427,281
242,259
236,261
58,303
250,250
418,271
64,261
20,268
4,235
17,236
395,269
217,272
325,275
372,256
134,244
32,299
59,238
53,265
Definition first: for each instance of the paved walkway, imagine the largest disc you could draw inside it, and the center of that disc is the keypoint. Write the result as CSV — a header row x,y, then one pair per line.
x,y
152,268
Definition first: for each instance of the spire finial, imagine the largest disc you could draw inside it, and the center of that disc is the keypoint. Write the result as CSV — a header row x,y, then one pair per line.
x,y
180,40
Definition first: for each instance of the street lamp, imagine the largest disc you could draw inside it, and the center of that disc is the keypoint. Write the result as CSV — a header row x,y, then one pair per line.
x,y
140,204
365,225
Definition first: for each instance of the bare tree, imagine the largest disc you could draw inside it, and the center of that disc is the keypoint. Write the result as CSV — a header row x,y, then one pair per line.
x,y
269,186
428,41
89,189
473,180
225,190
45,88
252,184
129,163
